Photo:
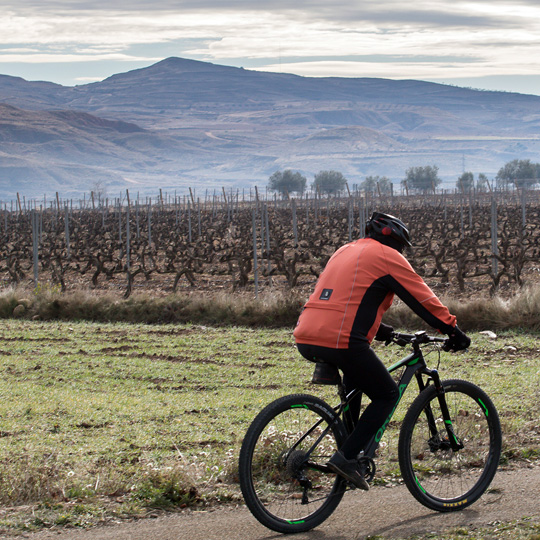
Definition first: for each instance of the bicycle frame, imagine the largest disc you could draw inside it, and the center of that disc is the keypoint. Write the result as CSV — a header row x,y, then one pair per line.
x,y
415,366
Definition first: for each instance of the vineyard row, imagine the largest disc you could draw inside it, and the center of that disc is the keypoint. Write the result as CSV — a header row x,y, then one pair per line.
x,y
457,240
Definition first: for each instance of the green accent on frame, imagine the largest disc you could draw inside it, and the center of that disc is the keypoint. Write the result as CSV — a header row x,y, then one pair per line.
x,y
380,433
402,363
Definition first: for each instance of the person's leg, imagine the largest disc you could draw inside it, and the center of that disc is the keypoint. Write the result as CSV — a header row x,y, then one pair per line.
x,y
363,369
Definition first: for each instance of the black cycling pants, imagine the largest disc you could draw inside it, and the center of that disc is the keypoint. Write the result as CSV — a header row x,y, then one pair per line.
x,y
361,369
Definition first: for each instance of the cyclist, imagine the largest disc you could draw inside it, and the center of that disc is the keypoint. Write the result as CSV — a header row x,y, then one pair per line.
x,y
343,316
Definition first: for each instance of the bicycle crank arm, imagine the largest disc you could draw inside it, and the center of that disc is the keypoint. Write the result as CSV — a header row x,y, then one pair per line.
x,y
319,467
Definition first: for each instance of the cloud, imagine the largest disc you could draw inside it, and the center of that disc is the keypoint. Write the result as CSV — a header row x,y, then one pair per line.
x,y
314,37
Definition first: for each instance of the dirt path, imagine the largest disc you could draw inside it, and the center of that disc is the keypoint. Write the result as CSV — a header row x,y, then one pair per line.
x,y
388,512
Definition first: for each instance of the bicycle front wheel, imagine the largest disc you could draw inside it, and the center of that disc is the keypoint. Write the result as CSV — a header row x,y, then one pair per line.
x,y
439,477
282,465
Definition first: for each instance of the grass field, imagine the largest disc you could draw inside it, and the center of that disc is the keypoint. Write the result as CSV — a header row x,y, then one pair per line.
x,y
108,421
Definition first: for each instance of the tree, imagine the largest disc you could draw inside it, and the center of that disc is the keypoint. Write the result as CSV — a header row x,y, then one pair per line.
x,y
423,179
287,182
465,182
329,182
520,172
375,184
482,182
99,189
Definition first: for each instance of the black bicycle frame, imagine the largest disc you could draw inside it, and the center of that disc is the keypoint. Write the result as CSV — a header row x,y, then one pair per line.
x,y
415,366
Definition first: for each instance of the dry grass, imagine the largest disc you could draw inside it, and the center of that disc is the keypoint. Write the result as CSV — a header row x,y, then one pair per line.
x,y
271,309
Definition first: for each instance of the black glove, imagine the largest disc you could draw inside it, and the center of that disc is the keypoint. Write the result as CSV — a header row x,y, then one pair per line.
x,y
457,341
385,333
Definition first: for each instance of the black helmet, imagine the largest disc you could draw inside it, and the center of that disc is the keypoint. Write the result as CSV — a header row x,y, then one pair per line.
x,y
388,226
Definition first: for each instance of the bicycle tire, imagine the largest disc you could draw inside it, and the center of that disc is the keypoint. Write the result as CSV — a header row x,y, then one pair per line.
x,y
438,477
272,460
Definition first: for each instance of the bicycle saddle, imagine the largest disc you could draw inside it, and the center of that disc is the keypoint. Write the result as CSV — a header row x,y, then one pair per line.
x,y
325,373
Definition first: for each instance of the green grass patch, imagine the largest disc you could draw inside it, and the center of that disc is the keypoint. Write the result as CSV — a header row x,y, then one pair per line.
x,y
101,421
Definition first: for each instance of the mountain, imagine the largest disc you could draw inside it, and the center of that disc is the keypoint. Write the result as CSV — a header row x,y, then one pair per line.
x,y
185,123
46,151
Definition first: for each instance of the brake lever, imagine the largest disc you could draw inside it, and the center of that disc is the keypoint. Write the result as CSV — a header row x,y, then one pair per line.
x,y
401,342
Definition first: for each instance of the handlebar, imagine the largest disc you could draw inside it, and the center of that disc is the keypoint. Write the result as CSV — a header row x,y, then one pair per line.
x,y
419,338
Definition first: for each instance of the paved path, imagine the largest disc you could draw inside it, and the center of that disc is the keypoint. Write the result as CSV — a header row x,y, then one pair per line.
x,y
388,512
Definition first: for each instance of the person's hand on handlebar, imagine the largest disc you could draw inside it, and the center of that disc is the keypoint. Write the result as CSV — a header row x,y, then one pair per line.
x,y
385,333
457,341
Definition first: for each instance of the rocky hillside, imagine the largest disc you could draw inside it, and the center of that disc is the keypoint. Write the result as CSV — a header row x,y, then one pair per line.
x,y
182,122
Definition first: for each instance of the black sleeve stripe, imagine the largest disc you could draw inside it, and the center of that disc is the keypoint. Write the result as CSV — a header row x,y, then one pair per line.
x,y
415,305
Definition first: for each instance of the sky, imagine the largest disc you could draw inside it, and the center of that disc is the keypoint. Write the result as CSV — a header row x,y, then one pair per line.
x,y
484,44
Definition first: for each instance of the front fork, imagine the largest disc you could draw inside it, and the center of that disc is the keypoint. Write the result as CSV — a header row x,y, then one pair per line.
x,y
453,439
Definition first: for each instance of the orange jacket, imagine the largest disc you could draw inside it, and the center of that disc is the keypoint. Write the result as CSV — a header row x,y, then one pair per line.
x,y
356,288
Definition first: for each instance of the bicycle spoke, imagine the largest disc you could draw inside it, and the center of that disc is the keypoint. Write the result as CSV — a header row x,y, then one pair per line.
x,y
274,477
439,476
284,476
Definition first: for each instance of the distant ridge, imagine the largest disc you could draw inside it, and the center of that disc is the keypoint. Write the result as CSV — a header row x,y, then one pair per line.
x,y
184,122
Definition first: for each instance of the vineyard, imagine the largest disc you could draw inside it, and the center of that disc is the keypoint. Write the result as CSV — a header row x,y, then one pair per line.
x,y
465,243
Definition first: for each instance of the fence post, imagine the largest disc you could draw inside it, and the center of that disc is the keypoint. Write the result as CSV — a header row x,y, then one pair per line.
x,y
263,231
255,267
199,217
189,221
41,222
268,243
294,222
128,230
351,218
523,209
150,222
66,220
120,228
494,245
462,225
35,245
137,225
362,216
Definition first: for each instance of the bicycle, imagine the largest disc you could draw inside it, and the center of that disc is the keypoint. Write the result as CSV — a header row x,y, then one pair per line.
x,y
449,447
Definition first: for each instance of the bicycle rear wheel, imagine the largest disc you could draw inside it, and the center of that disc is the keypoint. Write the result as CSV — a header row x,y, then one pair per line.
x,y
437,476
282,464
